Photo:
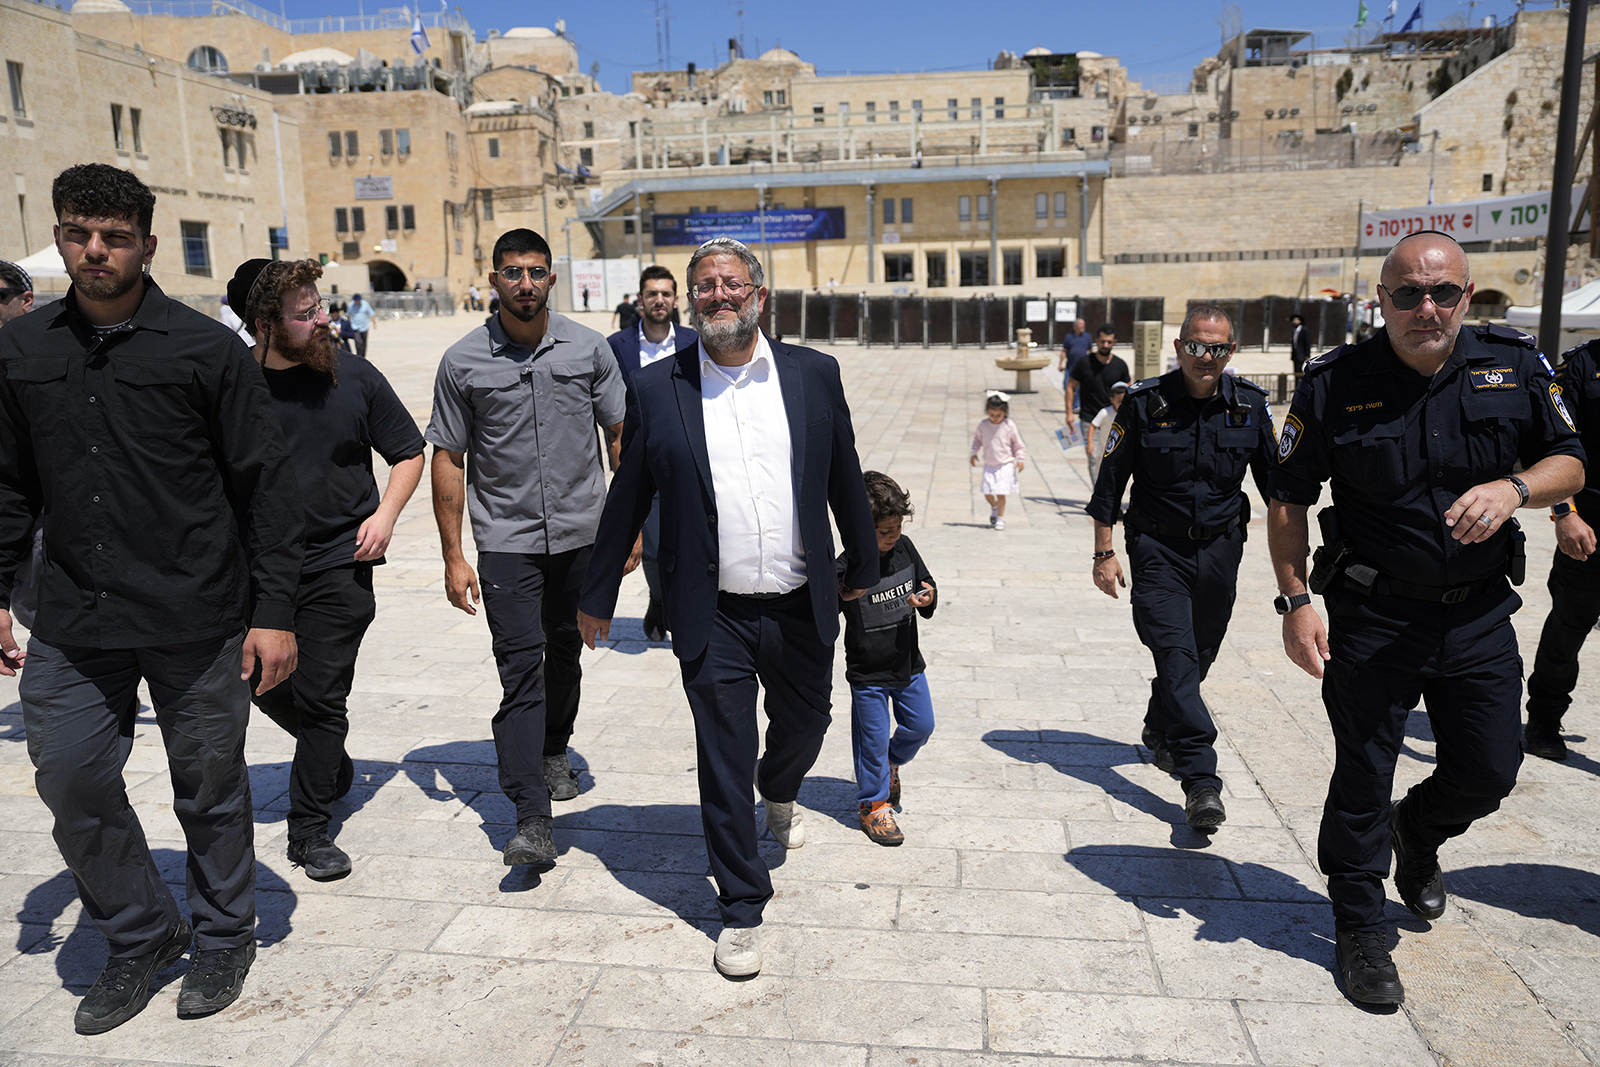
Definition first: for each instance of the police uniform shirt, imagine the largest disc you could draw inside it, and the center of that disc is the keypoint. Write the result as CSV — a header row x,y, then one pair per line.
x,y
1187,457
1400,448
1578,379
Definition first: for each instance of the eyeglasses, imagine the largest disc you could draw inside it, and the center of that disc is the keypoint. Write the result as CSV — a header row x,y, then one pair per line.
x,y
1407,297
311,314
7,295
734,289
1217,352
514,274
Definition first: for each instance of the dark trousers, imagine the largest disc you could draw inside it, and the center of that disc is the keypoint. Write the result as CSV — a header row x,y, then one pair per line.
x,y
331,614
1574,609
774,643
1389,653
361,343
532,604
1182,599
78,707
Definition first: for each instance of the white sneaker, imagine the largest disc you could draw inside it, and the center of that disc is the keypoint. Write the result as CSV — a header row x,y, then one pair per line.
x,y
999,524
786,823
739,951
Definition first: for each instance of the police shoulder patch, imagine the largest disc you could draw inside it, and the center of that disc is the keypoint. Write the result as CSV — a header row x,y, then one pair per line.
x,y
1289,437
1114,438
1561,407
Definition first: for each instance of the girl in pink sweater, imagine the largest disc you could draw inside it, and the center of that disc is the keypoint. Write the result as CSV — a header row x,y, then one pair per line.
x,y
1000,446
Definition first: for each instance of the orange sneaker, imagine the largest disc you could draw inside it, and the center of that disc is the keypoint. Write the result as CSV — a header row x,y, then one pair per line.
x,y
877,822
894,786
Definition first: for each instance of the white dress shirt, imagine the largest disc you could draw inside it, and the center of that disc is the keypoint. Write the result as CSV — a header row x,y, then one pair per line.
x,y
649,351
752,476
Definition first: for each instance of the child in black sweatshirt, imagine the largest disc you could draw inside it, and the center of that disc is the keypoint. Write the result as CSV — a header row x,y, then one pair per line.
x,y
884,667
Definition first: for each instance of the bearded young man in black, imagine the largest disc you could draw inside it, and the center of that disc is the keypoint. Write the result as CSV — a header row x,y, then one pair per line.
x,y
335,410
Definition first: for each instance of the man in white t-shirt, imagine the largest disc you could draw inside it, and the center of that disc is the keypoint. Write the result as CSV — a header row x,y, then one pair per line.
x,y
1102,428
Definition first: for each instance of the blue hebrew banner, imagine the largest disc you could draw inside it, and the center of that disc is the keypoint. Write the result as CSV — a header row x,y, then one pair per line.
x,y
803,224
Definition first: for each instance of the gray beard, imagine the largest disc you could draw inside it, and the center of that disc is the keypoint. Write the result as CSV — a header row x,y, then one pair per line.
x,y
719,337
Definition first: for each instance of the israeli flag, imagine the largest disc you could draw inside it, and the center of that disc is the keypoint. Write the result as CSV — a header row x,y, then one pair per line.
x,y
419,37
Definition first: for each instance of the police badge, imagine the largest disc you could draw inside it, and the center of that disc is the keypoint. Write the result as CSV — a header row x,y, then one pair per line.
x,y
1289,437
1561,407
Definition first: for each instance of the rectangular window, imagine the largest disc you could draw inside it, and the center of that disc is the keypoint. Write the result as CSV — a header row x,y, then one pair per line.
x,y
1050,262
1488,180
402,141
1194,129
238,147
894,111
1041,205
974,268
983,209
872,111
953,106
1097,133
134,115
196,249
116,126
844,112
964,208
627,226
352,250
916,110
588,131
335,144
227,144
408,217
352,144
766,97
19,104
977,108
1061,205
1069,135
391,218
386,142
488,204
278,240
819,115
358,220
783,97
999,107
897,267
1011,266
936,271
905,209
494,148
888,211
341,220
586,157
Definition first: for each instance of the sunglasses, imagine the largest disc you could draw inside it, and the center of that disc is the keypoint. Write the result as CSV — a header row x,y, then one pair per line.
x,y
514,274
7,295
1407,297
1217,352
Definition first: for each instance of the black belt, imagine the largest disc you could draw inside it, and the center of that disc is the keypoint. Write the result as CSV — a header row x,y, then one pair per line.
x,y
765,596
1434,594
1138,521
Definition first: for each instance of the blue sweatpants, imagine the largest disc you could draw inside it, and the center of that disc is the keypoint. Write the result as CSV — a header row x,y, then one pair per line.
x,y
874,749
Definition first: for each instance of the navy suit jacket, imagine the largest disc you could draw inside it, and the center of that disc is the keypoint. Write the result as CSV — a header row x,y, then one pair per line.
x,y
625,345
664,450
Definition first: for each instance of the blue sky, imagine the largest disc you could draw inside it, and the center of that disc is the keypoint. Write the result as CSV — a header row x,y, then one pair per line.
x,y
1159,40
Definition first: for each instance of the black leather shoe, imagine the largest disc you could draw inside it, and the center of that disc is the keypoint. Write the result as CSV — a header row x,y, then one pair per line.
x,y
214,979
560,778
1417,877
320,858
655,622
534,843
1203,809
123,988
1544,740
1158,750
1367,969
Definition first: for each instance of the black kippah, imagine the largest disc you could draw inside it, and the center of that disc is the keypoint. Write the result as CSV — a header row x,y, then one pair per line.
x,y
243,284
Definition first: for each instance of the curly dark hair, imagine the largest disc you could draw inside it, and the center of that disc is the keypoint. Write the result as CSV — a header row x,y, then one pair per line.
x,y
277,279
888,500
100,191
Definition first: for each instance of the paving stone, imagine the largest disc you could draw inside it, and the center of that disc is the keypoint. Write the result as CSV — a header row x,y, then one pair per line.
x,y
1090,1024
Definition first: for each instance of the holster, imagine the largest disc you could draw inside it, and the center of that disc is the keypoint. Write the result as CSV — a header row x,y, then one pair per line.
x,y
1517,554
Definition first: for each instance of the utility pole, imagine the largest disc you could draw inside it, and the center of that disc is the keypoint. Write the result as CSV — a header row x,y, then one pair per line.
x,y
1555,246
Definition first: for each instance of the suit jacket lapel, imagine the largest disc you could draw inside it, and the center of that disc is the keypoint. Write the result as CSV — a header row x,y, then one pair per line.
x,y
687,386
794,402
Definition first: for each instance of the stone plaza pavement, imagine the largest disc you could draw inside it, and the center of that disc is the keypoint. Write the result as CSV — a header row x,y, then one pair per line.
x,y
1048,906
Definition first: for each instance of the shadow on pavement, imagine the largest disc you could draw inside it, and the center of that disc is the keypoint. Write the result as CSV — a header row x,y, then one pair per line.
x,y
470,772
1090,758
627,637
1565,895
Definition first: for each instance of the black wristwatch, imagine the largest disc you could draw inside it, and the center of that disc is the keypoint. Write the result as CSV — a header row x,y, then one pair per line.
x,y
1285,604
1560,510
1522,488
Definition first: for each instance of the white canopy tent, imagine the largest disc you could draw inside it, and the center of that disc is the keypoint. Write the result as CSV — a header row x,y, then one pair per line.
x,y
45,263
1580,310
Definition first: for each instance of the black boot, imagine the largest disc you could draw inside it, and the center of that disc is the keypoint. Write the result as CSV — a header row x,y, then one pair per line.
x,y
1367,969
1417,877
1543,739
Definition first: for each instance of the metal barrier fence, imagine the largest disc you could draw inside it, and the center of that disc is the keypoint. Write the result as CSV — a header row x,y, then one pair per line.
x,y
411,305
938,321
1264,321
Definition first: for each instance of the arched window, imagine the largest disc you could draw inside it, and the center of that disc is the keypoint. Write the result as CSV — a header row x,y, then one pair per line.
x,y
208,60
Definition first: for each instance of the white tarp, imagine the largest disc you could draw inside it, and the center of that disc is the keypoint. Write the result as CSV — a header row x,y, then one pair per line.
x,y
1496,219
45,263
1580,310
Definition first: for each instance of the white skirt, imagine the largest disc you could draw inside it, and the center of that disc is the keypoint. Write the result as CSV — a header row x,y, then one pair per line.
x,y
1000,480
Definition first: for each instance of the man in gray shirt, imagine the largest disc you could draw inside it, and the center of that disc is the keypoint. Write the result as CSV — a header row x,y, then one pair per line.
x,y
515,405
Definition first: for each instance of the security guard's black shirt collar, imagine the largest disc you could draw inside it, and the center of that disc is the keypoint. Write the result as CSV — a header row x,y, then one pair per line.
x,y
152,314
1380,356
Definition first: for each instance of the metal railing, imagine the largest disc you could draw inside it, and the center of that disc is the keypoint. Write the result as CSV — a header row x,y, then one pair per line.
x,y
390,18
411,305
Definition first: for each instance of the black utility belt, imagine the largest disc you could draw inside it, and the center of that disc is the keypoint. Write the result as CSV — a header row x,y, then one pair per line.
x,y
1433,594
1138,521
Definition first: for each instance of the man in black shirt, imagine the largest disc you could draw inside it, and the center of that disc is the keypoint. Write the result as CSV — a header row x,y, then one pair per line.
x,y
1090,381
172,524
335,409
626,315
1417,431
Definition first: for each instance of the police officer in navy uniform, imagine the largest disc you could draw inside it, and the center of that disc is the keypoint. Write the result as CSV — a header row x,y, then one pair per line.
x,y
1186,439
1575,572
1418,429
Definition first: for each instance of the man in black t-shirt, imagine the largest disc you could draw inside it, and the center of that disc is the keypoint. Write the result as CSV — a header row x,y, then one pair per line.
x,y
335,409
626,316
1090,382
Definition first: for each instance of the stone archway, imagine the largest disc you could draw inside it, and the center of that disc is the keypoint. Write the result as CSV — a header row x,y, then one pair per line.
x,y
385,277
